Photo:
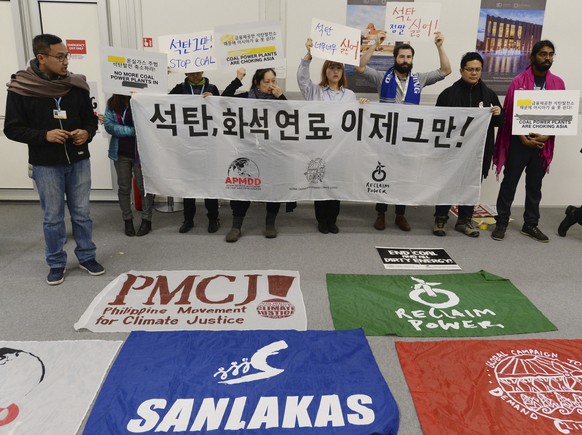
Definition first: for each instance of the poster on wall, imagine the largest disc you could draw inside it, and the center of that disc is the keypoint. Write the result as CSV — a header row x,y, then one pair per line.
x,y
506,34
370,17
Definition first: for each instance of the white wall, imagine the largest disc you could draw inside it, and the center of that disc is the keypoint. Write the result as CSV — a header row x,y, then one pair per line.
x,y
131,20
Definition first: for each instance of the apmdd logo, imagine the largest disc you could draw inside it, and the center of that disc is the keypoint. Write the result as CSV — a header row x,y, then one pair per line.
x,y
243,173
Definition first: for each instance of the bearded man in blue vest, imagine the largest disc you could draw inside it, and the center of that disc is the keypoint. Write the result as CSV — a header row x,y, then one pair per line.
x,y
401,86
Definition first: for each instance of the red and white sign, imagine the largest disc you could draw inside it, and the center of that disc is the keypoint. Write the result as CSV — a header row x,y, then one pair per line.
x,y
76,46
495,386
198,300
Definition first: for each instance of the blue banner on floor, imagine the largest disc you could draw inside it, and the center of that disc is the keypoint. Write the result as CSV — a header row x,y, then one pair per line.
x,y
260,382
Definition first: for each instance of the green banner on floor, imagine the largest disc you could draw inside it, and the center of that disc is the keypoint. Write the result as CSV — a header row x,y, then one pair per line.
x,y
450,305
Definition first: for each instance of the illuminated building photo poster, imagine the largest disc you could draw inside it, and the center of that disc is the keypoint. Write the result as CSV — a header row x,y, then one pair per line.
x,y
506,34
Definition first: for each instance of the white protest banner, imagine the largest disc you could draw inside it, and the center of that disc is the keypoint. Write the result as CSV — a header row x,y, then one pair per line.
x,y
198,300
269,150
47,387
412,21
546,112
190,52
251,45
335,42
125,71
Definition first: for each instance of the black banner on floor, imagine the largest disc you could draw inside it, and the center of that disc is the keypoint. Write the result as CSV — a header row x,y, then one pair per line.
x,y
416,259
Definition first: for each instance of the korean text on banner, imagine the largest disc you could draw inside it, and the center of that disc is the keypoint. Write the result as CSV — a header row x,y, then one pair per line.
x,y
260,150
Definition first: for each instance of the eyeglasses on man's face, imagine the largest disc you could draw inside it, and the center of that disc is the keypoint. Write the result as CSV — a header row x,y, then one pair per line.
x,y
59,57
472,70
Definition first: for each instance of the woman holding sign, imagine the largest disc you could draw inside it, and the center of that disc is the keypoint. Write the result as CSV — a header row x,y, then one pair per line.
x,y
264,87
332,87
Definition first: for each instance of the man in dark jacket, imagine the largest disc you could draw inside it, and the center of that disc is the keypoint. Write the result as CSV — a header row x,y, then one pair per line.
x,y
196,84
49,109
469,91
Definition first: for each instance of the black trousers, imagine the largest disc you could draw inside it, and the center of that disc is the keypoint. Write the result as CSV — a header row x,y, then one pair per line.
x,y
326,212
521,158
382,208
239,208
190,208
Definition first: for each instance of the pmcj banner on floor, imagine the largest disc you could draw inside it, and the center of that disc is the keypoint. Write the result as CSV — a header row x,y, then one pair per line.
x,y
251,382
460,305
517,387
47,387
265,150
202,299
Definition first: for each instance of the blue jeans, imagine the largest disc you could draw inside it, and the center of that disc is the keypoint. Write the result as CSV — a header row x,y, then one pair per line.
x,y
53,184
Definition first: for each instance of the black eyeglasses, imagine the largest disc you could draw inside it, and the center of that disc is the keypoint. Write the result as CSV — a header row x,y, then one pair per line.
x,y
61,57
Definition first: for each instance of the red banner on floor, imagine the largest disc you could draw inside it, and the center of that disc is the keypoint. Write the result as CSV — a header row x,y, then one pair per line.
x,y
495,386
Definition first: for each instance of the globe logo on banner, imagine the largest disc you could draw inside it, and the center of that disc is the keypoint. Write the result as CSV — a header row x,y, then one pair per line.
x,y
20,373
258,362
539,384
243,173
315,171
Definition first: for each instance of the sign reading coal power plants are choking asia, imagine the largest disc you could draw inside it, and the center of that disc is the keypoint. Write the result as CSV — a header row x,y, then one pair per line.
x,y
209,299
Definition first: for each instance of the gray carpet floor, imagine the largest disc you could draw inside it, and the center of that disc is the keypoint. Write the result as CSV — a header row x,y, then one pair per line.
x,y
549,274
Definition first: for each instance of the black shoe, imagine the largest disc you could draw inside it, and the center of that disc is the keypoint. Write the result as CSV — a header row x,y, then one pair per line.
x,y
568,221
499,232
187,226
333,228
323,229
56,276
534,232
213,225
129,229
144,228
440,226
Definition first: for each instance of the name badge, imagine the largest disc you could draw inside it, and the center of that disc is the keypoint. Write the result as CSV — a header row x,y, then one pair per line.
x,y
59,114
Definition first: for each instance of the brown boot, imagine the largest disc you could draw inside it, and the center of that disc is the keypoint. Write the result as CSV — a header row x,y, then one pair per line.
x,y
402,223
380,223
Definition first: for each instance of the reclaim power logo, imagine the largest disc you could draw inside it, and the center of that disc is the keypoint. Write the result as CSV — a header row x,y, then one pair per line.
x,y
378,175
